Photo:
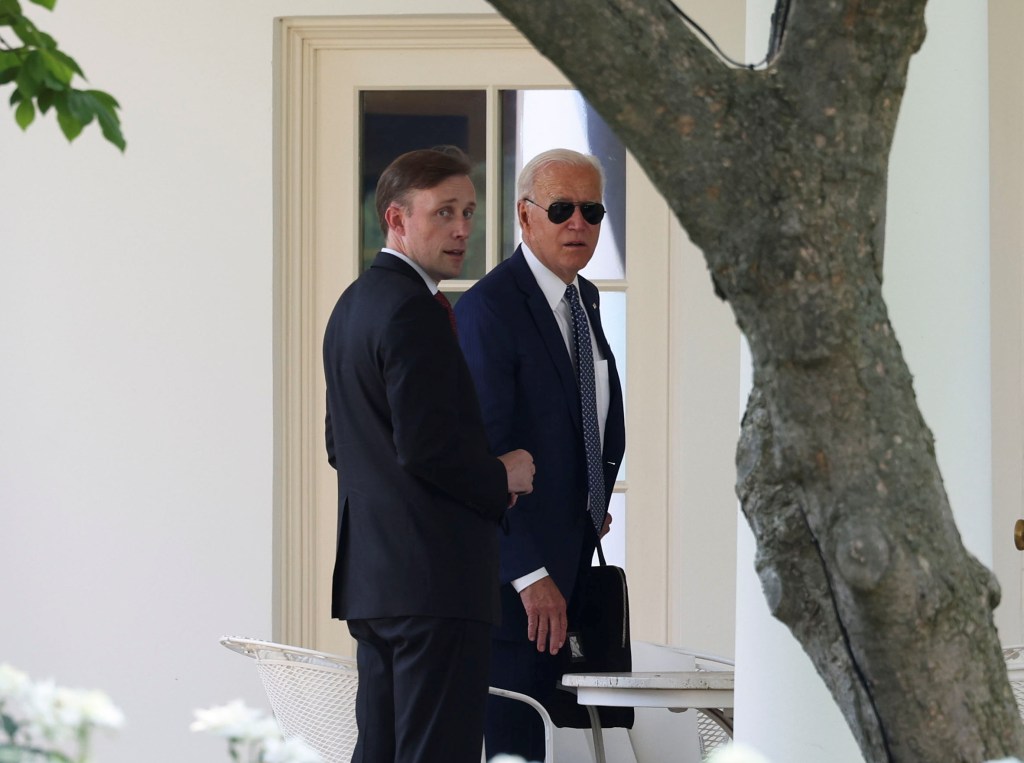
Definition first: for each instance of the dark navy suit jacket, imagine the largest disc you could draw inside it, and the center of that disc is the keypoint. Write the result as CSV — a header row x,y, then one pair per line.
x,y
530,399
419,494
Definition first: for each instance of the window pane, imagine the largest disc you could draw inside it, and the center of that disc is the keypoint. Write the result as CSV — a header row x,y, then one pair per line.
x,y
537,120
395,121
453,296
614,543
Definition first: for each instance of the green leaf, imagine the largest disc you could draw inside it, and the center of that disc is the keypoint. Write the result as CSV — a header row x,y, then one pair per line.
x,y
45,100
80,105
9,59
106,99
26,31
111,127
31,75
61,71
68,61
43,74
24,114
43,40
70,126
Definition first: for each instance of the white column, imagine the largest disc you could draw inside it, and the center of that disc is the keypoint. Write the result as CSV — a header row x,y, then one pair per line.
x,y
937,289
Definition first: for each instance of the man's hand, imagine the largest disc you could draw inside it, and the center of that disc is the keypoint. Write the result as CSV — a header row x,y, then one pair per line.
x,y
519,468
607,525
545,613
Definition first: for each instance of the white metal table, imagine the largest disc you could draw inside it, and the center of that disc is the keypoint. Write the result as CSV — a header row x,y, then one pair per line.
x,y
709,691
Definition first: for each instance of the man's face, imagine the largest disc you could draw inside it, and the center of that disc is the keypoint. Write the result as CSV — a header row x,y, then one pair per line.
x,y
567,247
433,227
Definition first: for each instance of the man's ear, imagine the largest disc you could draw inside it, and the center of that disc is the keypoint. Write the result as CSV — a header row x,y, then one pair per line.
x,y
394,216
522,212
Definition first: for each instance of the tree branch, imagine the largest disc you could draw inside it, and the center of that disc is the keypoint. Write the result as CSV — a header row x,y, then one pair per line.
x,y
662,91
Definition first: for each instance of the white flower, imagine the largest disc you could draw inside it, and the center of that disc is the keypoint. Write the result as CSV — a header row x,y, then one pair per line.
x,y
737,753
13,683
265,728
78,707
292,750
39,704
234,720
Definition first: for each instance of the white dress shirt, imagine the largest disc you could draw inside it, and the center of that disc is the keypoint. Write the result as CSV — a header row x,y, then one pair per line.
x,y
430,282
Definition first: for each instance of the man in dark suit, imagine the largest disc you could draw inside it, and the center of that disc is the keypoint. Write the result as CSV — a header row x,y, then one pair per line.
x,y
420,496
518,330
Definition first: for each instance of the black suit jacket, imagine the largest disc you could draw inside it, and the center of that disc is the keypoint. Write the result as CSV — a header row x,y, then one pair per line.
x,y
419,495
530,399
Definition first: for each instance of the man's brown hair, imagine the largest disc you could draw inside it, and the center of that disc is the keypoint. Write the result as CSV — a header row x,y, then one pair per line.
x,y
415,171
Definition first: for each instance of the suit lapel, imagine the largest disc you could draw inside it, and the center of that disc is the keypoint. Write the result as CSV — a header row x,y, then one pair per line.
x,y
547,327
588,296
614,434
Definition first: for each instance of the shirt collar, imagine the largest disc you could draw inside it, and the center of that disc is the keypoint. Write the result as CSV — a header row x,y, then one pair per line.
x,y
430,282
550,285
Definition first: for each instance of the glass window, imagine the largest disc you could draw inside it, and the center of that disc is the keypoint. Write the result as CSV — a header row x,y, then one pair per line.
x,y
395,121
537,120
614,543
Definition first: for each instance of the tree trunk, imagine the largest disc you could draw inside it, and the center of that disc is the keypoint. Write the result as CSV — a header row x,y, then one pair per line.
x,y
779,176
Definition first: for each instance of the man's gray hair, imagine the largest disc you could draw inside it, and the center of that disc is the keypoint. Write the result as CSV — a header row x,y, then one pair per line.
x,y
528,175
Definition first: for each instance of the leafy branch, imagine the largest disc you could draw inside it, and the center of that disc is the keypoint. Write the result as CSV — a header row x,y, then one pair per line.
x,y
42,76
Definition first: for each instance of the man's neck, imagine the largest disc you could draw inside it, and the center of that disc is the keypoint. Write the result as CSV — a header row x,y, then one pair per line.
x,y
430,282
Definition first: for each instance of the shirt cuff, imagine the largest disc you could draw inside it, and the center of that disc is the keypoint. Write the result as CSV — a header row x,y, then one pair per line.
x,y
520,583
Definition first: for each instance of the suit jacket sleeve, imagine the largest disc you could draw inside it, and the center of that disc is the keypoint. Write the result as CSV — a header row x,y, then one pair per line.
x,y
492,356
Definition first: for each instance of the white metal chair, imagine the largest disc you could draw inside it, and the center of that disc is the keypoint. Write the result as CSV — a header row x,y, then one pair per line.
x,y
313,696
711,733
654,730
1014,656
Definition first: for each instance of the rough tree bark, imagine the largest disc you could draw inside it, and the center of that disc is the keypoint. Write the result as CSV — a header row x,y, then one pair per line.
x,y
779,176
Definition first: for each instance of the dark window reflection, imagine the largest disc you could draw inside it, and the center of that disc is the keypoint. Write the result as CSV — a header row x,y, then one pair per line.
x,y
395,121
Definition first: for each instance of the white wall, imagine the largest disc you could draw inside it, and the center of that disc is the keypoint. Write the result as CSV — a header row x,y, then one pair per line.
x,y
136,366
136,363
1006,197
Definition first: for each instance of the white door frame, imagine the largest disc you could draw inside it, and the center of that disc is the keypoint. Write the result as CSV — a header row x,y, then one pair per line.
x,y
682,396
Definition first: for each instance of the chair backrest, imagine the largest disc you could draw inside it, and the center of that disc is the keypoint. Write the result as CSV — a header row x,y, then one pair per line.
x,y
711,734
1014,656
311,693
549,727
658,730
313,696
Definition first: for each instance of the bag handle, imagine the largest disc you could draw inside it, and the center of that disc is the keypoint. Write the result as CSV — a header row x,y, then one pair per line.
x,y
600,554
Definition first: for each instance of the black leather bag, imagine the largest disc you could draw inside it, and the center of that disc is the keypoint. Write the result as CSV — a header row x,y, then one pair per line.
x,y
598,642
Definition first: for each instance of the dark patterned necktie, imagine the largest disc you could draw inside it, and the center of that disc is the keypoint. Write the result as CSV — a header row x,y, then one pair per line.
x,y
588,407
443,301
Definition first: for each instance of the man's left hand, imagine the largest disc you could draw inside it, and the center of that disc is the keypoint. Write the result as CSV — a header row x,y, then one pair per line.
x,y
607,525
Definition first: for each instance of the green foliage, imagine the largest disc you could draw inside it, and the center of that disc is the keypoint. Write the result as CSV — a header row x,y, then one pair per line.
x,y
42,75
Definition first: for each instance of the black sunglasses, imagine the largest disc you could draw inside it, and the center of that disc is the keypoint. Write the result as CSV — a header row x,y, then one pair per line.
x,y
560,211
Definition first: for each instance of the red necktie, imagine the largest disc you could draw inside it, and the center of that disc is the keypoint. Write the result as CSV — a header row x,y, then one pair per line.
x,y
443,301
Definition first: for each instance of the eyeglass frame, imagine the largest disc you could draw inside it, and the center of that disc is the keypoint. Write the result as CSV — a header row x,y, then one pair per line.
x,y
585,207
